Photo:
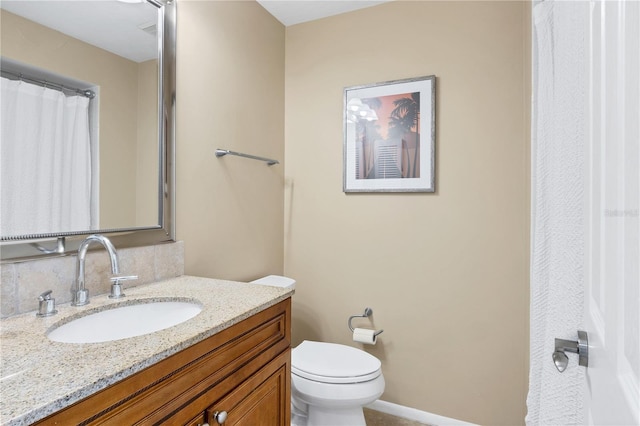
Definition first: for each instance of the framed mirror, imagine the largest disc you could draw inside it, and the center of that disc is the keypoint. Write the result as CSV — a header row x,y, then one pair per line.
x,y
88,131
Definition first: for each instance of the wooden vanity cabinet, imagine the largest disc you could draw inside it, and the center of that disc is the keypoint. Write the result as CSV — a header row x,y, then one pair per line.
x,y
259,400
244,370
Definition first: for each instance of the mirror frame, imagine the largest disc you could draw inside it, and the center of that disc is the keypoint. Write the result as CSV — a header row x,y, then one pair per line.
x,y
36,246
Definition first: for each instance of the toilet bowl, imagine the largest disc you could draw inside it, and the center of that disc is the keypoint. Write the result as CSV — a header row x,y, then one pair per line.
x,y
330,383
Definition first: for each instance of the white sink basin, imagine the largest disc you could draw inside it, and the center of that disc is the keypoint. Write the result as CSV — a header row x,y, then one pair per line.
x,y
125,321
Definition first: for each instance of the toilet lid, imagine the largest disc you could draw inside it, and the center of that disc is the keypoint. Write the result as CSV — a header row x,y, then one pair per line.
x,y
333,363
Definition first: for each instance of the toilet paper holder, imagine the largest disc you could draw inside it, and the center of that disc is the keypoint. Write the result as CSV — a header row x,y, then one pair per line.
x,y
367,313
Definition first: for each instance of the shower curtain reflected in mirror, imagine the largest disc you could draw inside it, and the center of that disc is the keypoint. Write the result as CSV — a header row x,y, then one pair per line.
x,y
45,159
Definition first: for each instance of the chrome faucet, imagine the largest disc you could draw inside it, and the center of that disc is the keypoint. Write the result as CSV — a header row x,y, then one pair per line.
x,y
80,293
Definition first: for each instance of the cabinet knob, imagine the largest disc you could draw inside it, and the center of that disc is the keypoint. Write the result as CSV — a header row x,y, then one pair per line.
x,y
220,417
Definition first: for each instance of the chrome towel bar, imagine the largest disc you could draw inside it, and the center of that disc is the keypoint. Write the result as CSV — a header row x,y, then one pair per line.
x,y
367,313
223,152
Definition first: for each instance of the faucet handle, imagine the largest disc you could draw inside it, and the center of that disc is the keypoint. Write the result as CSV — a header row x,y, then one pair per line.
x,y
123,278
116,286
45,296
47,305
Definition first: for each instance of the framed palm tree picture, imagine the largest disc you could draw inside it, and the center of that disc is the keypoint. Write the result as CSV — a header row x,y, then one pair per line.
x,y
389,136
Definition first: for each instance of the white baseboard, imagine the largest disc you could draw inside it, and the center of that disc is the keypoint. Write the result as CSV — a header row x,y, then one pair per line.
x,y
415,415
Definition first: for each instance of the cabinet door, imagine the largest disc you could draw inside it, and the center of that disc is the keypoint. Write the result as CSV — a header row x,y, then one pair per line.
x,y
198,421
261,400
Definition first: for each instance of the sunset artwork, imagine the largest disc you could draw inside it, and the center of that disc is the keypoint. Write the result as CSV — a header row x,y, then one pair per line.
x,y
389,146
389,137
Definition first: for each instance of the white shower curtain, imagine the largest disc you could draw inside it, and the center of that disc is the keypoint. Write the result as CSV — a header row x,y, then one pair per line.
x,y
559,124
45,157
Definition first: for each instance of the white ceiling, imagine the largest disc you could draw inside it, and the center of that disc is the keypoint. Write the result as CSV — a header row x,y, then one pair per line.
x,y
115,26
291,12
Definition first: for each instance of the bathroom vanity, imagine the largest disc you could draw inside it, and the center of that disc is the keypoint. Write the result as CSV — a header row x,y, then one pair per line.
x,y
230,364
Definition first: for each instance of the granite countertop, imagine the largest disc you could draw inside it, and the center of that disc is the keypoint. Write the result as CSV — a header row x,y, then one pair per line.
x,y
39,377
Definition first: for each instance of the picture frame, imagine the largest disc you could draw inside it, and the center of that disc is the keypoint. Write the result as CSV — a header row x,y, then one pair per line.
x,y
389,136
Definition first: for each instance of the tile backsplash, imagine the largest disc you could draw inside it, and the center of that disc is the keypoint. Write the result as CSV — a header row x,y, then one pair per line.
x,y
23,282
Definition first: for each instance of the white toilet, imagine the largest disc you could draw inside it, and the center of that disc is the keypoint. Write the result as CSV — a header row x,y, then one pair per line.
x,y
330,383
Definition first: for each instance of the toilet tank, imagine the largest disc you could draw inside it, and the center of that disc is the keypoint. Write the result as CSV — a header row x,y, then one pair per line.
x,y
276,281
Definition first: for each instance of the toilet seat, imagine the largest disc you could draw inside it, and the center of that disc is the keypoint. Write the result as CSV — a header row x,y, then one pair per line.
x,y
333,363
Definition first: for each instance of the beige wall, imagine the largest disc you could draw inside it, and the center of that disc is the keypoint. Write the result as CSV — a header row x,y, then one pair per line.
x,y
231,96
147,168
447,273
28,42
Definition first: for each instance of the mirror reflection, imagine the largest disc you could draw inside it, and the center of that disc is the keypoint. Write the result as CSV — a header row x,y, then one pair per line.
x,y
71,162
